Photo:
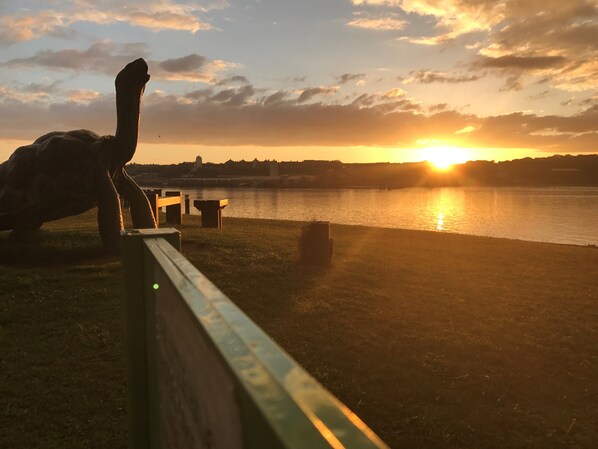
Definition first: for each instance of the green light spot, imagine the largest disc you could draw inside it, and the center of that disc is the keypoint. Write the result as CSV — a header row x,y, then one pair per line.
x,y
156,286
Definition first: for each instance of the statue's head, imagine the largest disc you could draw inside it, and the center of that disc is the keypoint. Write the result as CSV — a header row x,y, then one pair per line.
x,y
133,77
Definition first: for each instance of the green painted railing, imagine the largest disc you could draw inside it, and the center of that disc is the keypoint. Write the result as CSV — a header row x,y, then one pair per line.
x,y
201,374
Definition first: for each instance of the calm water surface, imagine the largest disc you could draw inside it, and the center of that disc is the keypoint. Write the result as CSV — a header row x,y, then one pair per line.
x,y
560,215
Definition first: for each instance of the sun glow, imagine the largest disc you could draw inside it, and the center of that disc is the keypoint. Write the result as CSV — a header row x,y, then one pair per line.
x,y
444,157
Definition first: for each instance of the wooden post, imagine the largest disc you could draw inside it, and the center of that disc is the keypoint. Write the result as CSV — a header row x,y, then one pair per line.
x,y
174,214
135,288
187,208
211,212
315,244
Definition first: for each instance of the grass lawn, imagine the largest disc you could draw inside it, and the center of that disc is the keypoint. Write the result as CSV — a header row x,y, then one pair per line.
x,y
435,340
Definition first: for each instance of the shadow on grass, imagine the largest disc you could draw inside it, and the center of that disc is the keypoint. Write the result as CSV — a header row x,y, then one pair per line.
x,y
49,248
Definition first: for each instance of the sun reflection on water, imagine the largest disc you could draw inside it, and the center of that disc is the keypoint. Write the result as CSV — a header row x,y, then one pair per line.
x,y
440,222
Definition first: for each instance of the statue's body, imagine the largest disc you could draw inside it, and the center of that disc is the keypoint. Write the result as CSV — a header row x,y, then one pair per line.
x,y
67,173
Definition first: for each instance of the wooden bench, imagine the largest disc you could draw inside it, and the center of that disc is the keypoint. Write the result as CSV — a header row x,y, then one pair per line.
x,y
211,212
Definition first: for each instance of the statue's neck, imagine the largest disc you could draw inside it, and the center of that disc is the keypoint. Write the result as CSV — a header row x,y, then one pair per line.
x,y
127,125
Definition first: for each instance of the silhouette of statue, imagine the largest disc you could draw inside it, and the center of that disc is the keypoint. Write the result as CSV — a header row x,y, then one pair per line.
x,y
67,173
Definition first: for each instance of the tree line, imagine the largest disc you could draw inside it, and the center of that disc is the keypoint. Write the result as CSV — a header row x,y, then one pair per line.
x,y
559,170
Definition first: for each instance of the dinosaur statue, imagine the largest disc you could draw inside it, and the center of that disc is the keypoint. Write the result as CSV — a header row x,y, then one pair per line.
x,y
67,173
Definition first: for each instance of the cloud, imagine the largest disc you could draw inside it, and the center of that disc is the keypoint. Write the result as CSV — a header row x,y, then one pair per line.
x,y
540,95
394,93
44,88
553,40
155,15
233,117
454,18
276,98
378,2
366,100
104,57
434,76
9,95
466,130
233,97
438,107
83,95
392,100
513,67
522,62
185,64
310,92
24,27
378,23
346,77
192,67
200,94
232,80
108,58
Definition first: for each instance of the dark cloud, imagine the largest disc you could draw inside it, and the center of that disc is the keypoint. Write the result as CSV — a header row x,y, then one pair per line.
x,y
592,101
513,82
49,88
522,62
232,80
200,94
513,67
101,57
438,107
346,77
540,95
275,98
311,92
233,97
366,100
109,58
187,63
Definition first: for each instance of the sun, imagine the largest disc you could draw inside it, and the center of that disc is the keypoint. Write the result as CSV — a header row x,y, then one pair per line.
x,y
444,157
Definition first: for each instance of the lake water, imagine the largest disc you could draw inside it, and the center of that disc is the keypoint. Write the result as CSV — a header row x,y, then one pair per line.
x,y
559,215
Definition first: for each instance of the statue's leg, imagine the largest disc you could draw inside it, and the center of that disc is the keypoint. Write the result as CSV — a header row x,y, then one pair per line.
x,y
110,220
21,221
24,227
141,211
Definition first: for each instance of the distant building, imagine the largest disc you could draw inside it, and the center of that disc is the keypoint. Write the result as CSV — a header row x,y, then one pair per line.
x,y
274,169
198,163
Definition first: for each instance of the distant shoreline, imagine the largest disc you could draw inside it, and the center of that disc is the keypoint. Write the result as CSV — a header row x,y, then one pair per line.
x,y
554,171
168,185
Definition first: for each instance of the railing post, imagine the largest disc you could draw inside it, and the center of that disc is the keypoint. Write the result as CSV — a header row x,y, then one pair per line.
x,y
174,214
136,331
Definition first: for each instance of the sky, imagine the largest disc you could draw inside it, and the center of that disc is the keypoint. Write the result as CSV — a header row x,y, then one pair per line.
x,y
353,80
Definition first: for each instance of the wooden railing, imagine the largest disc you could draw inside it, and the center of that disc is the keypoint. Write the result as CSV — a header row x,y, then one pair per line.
x,y
202,374
172,202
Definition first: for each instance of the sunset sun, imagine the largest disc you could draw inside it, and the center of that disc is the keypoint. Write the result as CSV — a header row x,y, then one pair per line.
x,y
444,157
